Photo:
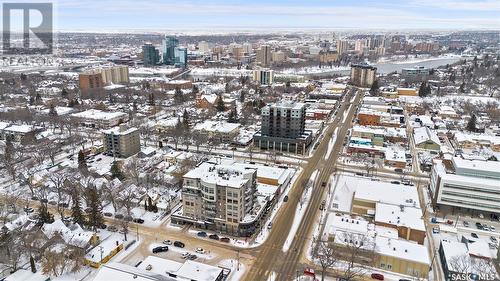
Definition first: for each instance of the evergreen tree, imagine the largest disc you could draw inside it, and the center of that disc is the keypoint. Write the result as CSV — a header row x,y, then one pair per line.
x,y
424,90
82,163
38,97
471,125
116,171
242,96
32,100
232,116
76,208
374,88
220,104
32,264
52,111
185,120
44,216
64,93
178,97
195,90
94,218
151,99
462,87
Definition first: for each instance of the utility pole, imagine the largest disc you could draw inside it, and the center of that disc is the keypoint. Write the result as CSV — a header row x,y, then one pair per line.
x,y
238,259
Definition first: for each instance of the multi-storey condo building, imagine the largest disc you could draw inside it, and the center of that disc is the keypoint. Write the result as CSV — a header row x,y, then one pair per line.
x,y
363,75
121,141
263,76
99,77
264,56
180,57
150,55
90,81
219,197
283,128
467,184
342,46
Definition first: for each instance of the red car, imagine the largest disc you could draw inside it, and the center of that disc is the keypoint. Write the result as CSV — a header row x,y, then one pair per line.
x,y
377,276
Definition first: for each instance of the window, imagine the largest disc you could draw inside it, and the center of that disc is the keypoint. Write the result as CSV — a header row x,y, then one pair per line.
x,y
389,266
382,265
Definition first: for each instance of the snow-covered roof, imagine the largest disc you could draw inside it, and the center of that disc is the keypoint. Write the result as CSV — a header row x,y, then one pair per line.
x,y
425,134
385,192
402,249
26,275
124,272
220,174
99,115
410,217
216,126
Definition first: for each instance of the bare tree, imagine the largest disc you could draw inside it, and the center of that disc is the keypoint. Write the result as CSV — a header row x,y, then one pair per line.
x,y
359,254
327,256
127,198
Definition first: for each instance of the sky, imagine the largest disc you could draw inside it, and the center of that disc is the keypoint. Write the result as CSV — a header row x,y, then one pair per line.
x,y
212,15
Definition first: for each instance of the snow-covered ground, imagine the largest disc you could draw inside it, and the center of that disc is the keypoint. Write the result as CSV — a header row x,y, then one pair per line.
x,y
421,58
299,213
331,143
236,272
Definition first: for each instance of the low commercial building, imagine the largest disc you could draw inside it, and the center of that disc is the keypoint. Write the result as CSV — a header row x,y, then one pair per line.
x,y
426,138
100,119
158,269
466,184
466,140
407,92
221,130
390,252
121,141
419,72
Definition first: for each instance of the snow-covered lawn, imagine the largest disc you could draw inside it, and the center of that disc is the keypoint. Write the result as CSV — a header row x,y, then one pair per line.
x,y
236,273
331,143
299,213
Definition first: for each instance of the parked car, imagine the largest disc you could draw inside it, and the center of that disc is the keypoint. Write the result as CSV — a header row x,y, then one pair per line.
x,y
270,225
398,170
202,234
492,228
285,199
377,276
466,223
323,184
479,225
108,214
138,220
213,236
486,227
167,242
493,239
225,239
185,255
112,228
435,230
450,222
192,257
200,250
160,249
474,235
179,244
395,182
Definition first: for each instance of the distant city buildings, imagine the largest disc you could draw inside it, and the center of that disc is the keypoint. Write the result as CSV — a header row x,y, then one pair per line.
x,y
263,76
363,75
180,57
121,141
150,54
419,72
264,57
342,46
169,44
283,128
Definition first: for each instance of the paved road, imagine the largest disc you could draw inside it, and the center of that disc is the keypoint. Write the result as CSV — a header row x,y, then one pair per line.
x,y
270,259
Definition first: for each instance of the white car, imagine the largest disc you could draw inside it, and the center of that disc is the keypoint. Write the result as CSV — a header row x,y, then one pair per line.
x,y
185,255
492,228
200,250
